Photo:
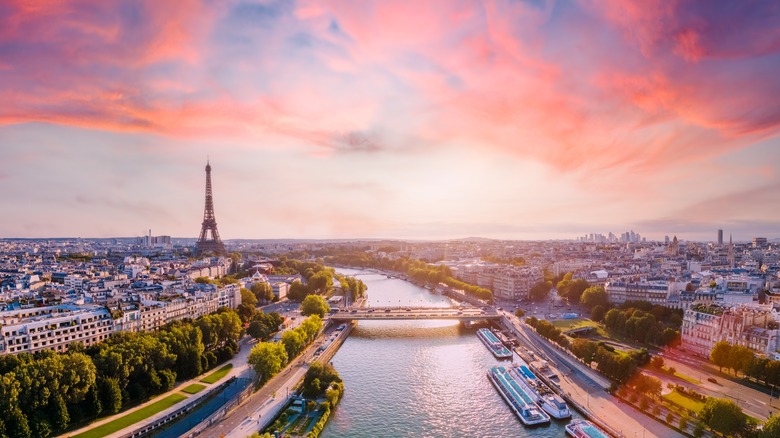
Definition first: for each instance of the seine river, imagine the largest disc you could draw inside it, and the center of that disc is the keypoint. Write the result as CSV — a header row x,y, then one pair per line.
x,y
419,378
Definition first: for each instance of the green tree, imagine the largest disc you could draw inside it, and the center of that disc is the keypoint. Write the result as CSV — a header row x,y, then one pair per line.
x,y
771,427
741,358
321,282
293,342
263,291
314,305
597,313
540,290
720,354
723,416
657,362
576,290
519,313
298,291
247,297
267,359
594,296
110,394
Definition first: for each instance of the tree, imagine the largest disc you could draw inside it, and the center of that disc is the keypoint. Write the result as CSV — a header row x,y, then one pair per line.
x,y
723,416
293,342
298,291
314,305
576,290
741,357
594,296
267,359
657,362
519,313
263,291
771,427
247,297
540,290
597,313
720,354
564,285
321,282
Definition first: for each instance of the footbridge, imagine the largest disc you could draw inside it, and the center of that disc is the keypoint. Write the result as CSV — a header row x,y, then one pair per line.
x,y
398,313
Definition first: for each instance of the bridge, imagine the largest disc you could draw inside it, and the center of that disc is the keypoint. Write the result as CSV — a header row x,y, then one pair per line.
x,y
398,313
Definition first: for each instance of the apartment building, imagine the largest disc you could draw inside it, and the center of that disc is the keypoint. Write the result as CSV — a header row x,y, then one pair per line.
x,y
754,327
53,328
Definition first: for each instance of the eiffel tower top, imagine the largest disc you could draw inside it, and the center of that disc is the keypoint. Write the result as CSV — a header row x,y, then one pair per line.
x,y
209,241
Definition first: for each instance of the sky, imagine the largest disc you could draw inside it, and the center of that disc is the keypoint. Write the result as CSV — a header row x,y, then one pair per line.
x,y
390,119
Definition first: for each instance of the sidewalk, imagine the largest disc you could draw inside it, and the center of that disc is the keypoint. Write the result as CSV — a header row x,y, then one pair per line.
x,y
264,405
240,368
590,394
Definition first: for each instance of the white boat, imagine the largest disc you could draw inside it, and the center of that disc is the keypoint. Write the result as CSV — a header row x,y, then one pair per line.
x,y
584,429
548,400
518,400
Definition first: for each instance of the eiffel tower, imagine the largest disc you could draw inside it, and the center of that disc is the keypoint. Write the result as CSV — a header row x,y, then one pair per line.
x,y
209,242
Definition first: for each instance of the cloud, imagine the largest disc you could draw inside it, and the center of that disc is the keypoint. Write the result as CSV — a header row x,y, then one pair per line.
x,y
587,88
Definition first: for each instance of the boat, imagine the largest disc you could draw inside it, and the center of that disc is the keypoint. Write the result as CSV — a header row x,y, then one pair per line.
x,y
584,429
548,400
493,344
518,400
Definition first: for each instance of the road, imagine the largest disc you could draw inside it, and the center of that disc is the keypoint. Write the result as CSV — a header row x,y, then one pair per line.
x,y
753,402
586,387
260,409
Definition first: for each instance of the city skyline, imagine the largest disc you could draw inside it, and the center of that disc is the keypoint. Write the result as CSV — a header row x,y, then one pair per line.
x,y
512,120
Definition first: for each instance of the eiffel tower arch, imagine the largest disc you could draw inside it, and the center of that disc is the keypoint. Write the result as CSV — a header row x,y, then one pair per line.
x,y
209,241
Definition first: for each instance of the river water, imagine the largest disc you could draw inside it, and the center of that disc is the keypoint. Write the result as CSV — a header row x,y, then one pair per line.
x,y
419,378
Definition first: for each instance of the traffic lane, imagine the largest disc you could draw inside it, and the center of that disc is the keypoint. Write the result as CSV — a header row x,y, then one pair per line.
x,y
754,402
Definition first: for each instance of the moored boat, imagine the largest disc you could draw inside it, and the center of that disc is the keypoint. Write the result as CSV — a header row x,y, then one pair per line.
x,y
584,429
520,402
493,344
548,400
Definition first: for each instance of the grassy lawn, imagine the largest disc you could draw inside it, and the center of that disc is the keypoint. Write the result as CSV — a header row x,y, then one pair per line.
x,y
218,374
132,418
570,324
686,402
687,378
194,388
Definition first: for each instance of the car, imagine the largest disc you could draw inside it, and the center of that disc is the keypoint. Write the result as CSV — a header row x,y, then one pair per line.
x,y
712,380
408,309
353,311
499,308
387,310
370,310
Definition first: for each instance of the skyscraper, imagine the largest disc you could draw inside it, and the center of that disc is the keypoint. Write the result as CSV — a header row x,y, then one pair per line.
x,y
720,237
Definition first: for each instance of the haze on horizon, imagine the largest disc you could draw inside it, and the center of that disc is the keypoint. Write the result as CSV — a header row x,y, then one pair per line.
x,y
404,119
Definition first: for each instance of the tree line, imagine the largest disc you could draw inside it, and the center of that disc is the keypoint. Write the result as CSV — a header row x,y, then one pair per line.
x,y
268,358
416,270
741,359
44,393
644,322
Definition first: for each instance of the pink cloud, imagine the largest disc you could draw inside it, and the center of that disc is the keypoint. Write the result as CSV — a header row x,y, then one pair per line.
x,y
590,86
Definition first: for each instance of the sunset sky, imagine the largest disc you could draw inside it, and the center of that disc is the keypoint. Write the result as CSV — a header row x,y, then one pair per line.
x,y
398,119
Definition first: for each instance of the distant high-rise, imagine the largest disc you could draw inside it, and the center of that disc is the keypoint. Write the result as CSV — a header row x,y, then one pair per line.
x,y
720,237
209,242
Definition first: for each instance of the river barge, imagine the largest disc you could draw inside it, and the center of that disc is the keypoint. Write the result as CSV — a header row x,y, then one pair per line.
x,y
493,344
548,400
518,400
